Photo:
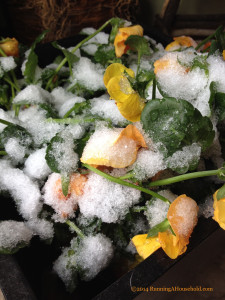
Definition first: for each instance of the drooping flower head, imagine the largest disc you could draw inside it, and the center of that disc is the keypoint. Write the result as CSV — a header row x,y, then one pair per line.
x,y
122,35
181,42
182,216
128,101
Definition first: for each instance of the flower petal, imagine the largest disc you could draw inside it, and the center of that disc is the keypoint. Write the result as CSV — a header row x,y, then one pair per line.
x,y
113,149
119,89
133,133
171,244
145,246
122,35
219,211
181,41
132,108
183,216
116,69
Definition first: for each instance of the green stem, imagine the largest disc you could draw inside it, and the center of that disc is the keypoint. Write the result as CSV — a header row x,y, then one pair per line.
x,y
15,80
2,53
63,62
154,89
127,176
139,209
17,110
207,39
6,122
3,153
72,120
184,177
125,183
75,228
138,63
11,83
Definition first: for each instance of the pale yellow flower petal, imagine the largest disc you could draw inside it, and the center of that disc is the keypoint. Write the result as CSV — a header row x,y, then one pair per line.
x,y
145,247
119,89
114,70
132,108
128,101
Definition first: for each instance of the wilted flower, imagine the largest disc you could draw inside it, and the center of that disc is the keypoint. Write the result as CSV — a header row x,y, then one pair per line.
x,y
113,148
182,216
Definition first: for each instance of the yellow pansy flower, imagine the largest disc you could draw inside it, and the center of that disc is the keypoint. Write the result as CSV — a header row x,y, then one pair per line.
x,y
182,216
116,149
128,101
10,47
219,210
122,35
181,42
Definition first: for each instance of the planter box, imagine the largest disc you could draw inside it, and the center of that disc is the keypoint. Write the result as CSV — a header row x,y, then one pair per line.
x,y
28,274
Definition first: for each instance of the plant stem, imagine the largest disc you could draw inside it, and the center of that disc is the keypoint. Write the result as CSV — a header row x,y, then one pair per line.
x,y
75,228
11,83
138,63
139,209
72,120
184,177
76,48
2,52
207,39
6,122
154,89
127,176
125,183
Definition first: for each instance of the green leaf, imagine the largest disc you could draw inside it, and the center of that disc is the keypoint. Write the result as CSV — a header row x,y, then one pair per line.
x,y
78,108
71,58
176,123
143,80
50,154
221,193
219,105
161,227
116,24
32,60
14,249
50,111
219,43
105,54
200,61
212,89
18,132
139,44
81,143
65,180
80,90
